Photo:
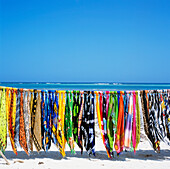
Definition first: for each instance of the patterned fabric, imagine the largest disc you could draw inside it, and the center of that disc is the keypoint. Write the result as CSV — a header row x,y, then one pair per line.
x,y
144,111
3,121
43,119
48,117
49,121
76,109
11,119
55,120
26,119
91,137
107,103
105,125
160,117
80,144
126,106
116,110
98,113
137,119
85,121
128,128
149,119
110,125
30,128
22,135
37,125
119,136
134,122
60,127
68,124
154,136
167,117
17,120
99,107
29,123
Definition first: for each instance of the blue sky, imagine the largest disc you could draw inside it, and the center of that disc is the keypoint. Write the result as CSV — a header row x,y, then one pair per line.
x,y
85,40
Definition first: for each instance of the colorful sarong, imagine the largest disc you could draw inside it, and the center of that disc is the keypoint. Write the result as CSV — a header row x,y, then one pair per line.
x,y
119,136
3,121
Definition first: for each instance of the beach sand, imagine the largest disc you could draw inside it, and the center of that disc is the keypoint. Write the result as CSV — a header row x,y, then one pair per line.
x,y
145,157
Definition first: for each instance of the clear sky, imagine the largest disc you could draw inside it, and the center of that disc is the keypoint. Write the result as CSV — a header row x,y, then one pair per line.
x,y
85,40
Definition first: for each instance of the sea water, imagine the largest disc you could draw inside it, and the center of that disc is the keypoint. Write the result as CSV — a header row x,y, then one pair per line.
x,y
87,85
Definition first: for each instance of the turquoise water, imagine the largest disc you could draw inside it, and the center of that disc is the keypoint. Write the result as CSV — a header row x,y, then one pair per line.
x,y
89,86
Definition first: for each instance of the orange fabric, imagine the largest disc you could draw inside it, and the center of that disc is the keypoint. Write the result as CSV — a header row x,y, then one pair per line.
x,y
22,135
11,119
119,137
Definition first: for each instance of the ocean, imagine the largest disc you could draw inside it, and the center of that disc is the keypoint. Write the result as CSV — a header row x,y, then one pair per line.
x,y
87,85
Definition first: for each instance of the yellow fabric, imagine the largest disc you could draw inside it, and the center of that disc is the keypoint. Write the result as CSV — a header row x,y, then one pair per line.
x,y
137,119
3,121
60,128
98,113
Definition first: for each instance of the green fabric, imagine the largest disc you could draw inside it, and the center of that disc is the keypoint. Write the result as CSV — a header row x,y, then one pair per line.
x,y
110,131
137,121
76,106
116,110
68,122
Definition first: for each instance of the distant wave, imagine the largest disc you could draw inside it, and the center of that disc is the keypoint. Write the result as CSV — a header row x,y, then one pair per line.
x,y
102,83
117,83
52,83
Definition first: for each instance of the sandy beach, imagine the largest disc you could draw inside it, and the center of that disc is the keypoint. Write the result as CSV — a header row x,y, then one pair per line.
x,y
145,157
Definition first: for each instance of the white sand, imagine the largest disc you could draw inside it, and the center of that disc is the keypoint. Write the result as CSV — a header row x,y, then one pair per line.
x,y
145,158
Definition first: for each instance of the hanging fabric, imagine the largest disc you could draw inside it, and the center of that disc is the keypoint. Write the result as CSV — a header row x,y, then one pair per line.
x,y
126,106
76,109
150,122
37,125
33,115
80,132
137,119
55,119
68,122
168,115
26,119
85,121
60,127
134,123
29,123
128,128
22,135
119,136
11,119
116,110
3,121
48,96
30,127
17,120
105,124
99,107
91,149
110,125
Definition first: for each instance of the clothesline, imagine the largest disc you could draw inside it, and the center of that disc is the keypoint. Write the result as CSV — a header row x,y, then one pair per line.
x,y
43,117
95,92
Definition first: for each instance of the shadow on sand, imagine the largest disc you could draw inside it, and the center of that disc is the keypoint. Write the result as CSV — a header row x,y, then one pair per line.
x,y
100,155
